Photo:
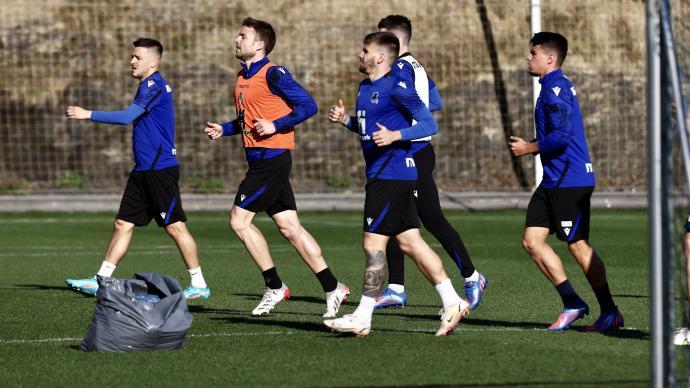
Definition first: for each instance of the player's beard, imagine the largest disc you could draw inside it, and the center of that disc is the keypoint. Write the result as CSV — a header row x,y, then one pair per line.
x,y
244,57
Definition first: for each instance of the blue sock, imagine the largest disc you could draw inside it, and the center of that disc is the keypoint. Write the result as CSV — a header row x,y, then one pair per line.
x,y
570,298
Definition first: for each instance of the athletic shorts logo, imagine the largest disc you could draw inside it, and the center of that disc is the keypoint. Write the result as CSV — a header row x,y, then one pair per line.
x,y
415,194
369,221
242,197
163,215
566,225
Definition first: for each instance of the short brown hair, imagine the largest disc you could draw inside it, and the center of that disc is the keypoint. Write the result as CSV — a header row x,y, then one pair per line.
x,y
387,40
264,31
149,43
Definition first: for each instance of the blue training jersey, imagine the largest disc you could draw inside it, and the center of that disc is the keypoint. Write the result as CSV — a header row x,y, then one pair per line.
x,y
410,70
561,135
153,138
393,103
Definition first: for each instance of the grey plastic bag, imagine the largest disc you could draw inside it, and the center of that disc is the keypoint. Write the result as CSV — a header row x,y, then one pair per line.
x,y
148,312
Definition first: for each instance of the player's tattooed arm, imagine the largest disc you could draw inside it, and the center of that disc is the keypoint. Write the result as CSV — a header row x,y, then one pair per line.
x,y
375,273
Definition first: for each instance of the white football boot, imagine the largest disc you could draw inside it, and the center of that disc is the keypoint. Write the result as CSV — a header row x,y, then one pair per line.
x,y
270,299
334,299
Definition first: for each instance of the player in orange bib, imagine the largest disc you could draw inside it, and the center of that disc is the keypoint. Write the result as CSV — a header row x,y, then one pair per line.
x,y
269,104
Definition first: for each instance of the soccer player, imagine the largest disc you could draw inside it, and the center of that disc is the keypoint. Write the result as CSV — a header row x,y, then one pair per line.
x,y
385,106
425,193
152,190
561,203
269,104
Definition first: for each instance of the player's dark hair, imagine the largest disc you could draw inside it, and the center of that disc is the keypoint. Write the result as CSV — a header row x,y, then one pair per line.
x,y
264,32
149,43
398,23
552,41
387,40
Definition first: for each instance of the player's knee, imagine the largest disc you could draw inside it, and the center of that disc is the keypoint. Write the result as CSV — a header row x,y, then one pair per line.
x,y
238,225
580,249
176,229
290,229
121,226
530,245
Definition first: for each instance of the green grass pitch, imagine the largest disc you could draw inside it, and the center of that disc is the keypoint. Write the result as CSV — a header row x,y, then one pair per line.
x,y
503,343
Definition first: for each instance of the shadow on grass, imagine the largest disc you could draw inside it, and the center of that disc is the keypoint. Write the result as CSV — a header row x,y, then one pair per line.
x,y
267,321
42,287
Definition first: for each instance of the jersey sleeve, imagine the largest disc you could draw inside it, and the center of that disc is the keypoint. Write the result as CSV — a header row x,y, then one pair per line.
x,y
435,102
404,70
410,103
148,95
281,83
558,109
120,117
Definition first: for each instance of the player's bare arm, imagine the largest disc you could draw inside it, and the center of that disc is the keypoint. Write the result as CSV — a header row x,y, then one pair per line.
x,y
77,112
520,147
213,130
384,136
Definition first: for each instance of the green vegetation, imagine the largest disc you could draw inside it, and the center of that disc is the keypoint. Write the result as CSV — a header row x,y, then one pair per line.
x,y
503,343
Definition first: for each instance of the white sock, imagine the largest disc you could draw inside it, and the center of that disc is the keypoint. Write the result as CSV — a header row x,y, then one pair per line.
x,y
448,295
365,309
107,269
197,278
397,287
473,278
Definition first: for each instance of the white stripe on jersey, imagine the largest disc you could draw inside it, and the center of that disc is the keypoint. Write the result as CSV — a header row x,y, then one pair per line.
x,y
421,84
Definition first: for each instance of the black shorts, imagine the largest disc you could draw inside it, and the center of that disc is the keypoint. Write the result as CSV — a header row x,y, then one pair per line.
x,y
389,208
687,225
564,211
152,194
266,186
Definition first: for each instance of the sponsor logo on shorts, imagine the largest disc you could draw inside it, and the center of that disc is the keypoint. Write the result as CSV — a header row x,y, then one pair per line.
x,y
567,226
369,220
242,197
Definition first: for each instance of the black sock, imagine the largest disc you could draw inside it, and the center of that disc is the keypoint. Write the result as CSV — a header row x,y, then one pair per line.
x,y
271,278
327,280
396,263
570,298
604,298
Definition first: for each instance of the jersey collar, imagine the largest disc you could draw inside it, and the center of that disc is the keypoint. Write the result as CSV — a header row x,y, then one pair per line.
x,y
248,72
551,76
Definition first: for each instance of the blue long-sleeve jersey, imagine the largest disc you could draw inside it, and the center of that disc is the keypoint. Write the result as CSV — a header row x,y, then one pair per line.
x,y
280,83
393,103
153,114
561,135
410,70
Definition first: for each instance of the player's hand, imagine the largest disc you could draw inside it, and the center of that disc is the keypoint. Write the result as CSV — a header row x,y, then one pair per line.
x,y
213,130
519,147
76,112
337,113
384,137
264,127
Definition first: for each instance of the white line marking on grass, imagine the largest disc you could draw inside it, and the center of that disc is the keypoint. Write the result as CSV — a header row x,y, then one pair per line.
x,y
286,333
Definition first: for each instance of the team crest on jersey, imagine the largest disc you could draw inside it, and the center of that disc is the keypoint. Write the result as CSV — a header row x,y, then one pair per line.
x,y
375,98
168,88
402,84
369,221
567,226
400,65
148,84
556,90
